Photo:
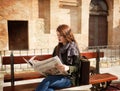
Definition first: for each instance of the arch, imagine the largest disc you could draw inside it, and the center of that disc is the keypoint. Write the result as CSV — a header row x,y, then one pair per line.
x,y
98,7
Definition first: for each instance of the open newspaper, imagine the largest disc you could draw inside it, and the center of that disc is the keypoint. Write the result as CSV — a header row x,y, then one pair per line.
x,y
48,66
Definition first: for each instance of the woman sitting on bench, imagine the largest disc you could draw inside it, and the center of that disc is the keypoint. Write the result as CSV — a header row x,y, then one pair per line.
x,y
68,52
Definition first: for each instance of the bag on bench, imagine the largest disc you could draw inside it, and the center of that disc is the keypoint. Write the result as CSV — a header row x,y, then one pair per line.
x,y
84,71
81,74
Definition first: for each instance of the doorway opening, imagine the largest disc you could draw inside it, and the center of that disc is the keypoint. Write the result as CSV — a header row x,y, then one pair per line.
x,y
18,35
98,25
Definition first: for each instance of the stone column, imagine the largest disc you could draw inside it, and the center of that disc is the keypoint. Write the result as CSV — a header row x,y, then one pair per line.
x,y
1,80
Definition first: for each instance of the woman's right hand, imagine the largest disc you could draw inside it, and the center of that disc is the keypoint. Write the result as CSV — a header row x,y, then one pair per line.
x,y
62,68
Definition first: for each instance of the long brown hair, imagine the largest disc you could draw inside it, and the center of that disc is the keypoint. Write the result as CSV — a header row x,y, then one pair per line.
x,y
66,32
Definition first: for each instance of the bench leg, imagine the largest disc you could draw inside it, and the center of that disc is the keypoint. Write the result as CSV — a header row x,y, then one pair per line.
x,y
95,87
100,86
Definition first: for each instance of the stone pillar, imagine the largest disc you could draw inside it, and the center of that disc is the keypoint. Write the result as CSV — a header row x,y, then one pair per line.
x,y
1,80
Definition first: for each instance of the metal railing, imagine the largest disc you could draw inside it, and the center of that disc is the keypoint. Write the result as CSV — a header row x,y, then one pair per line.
x,y
111,55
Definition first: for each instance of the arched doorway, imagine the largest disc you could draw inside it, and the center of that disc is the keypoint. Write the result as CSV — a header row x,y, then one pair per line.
x,y
98,26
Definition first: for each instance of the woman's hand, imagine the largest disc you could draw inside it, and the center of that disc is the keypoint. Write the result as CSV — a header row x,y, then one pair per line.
x,y
66,67
62,68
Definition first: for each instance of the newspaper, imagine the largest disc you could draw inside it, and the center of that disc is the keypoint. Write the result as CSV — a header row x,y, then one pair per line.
x,y
48,66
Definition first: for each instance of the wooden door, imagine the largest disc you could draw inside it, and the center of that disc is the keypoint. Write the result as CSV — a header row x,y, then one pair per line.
x,y
98,30
18,35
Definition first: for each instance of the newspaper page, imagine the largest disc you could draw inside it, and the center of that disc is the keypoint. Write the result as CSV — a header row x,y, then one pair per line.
x,y
48,66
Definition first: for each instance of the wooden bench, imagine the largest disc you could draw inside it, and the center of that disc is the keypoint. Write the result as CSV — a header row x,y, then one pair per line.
x,y
86,79
101,81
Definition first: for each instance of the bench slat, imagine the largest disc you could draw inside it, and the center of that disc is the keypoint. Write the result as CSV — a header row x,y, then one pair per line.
x,y
19,59
23,87
92,54
23,76
99,78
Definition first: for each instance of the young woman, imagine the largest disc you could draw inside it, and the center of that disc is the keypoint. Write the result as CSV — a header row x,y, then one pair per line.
x,y
68,52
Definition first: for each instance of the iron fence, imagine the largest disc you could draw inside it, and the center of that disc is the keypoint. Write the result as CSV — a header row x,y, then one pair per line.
x,y
111,56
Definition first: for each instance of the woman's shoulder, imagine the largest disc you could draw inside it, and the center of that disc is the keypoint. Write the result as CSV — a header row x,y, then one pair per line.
x,y
73,49
73,45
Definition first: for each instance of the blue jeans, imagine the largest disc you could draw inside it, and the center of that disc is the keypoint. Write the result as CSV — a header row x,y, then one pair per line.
x,y
50,83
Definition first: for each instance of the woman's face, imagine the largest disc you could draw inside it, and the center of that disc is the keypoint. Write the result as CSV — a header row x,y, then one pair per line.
x,y
61,38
